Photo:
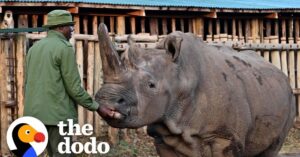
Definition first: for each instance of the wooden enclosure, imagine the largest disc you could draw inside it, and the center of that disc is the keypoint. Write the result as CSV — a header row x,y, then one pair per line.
x,y
273,34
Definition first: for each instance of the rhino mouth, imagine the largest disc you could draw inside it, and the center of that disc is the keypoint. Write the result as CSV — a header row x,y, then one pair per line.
x,y
112,113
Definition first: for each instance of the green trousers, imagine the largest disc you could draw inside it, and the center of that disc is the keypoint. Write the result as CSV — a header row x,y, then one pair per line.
x,y
54,139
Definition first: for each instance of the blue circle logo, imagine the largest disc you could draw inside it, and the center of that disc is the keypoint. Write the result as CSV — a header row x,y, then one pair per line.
x,y
27,137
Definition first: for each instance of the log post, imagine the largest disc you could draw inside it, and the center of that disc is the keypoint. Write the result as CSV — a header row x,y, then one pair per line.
x,y
35,21
95,25
79,59
190,25
85,25
20,72
121,25
247,30
240,28
182,25
98,80
225,27
255,30
77,24
4,46
132,25
153,26
143,29
261,30
218,29
275,56
268,28
298,76
90,77
173,22
199,27
266,53
284,52
112,24
164,26
291,56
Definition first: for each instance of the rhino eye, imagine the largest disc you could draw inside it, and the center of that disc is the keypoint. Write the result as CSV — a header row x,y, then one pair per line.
x,y
151,85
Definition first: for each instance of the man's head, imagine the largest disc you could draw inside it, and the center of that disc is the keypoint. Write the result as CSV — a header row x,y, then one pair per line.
x,y
60,20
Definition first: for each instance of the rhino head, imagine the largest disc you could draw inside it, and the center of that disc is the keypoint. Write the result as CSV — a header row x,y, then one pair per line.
x,y
138,89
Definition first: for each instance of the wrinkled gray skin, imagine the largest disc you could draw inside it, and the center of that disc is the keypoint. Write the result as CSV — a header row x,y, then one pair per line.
x,y
197,100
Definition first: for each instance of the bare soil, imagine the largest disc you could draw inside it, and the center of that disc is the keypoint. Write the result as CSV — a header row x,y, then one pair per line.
x,y
141,145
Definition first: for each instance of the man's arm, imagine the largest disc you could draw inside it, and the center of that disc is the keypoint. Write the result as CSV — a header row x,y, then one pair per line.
x,y
72,82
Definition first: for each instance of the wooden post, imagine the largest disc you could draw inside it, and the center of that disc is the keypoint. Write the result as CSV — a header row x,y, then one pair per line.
x,y
268,28
23,21
275,56
164,26
266,53
284,58
291,55
199,27
225,27
297,30
210,27
233,23
90,77
216,37
79,59
121,25
261,30
255,30
45,19
95,25
4,45
173,21
35,21
132,25
143,29
276,28
247,30
20,71
182,25
190,21
112,24
234,35
77,24
85,25
218,29
284,53
98,80
153,26
102,19
298,76
240,28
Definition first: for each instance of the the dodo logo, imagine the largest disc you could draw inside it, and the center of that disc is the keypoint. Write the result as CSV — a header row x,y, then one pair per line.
x,y
27,137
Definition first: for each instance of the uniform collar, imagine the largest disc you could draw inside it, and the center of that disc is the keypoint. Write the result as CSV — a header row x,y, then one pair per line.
x,y
53,33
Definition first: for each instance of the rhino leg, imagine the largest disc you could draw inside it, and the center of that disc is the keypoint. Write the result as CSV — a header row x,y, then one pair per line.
x,y
273,150
166,151
221,147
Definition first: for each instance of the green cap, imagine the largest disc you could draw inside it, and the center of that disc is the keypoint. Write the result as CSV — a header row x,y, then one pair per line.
x,y
59,18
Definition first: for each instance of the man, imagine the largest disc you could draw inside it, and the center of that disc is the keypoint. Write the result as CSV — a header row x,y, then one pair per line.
x,y
52,84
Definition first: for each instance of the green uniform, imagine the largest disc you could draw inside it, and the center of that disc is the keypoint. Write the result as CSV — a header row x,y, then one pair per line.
x,y
53,86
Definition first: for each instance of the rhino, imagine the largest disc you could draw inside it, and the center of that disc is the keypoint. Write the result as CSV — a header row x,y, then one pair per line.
x,y
196,100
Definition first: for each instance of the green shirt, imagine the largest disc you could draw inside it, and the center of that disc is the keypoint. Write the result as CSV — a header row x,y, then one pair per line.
x,y
52,84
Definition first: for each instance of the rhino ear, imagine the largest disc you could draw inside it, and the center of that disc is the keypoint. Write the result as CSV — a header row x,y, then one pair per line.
x,y
133,55
173,46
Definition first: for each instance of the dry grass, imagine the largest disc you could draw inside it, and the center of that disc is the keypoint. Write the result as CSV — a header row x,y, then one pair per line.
x,y
141,145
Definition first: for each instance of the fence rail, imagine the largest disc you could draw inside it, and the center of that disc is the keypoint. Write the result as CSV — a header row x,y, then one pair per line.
x,y
285,56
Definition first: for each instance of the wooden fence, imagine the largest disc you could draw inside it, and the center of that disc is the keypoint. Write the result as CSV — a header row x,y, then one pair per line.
x,y
13,48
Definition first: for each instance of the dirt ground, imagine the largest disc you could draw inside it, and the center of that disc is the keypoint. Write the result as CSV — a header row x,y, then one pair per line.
x,y
142,146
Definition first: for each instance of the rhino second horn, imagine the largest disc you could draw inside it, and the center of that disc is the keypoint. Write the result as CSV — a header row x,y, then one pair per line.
x,y
111,63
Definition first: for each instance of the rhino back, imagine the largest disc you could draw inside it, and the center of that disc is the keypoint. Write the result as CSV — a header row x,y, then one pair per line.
x,y
240,94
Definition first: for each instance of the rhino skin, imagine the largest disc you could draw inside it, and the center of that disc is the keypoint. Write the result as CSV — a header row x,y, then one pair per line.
x,y
197,100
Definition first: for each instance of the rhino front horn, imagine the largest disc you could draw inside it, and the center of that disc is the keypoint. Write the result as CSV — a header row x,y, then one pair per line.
x,y
111,63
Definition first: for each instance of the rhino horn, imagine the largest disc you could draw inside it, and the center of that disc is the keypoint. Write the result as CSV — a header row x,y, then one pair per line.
x,y
111,63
